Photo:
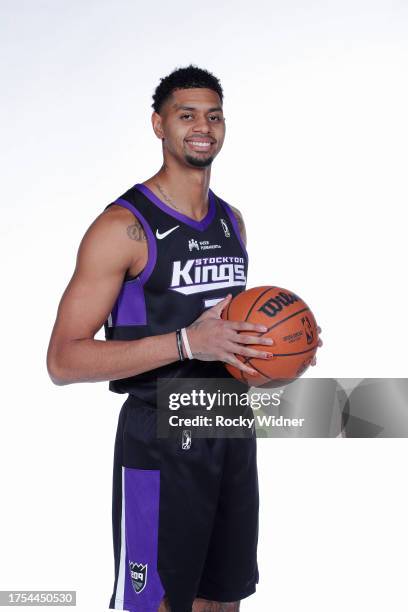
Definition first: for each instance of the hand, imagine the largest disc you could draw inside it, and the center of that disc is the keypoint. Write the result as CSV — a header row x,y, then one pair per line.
x,y
320,343
213,339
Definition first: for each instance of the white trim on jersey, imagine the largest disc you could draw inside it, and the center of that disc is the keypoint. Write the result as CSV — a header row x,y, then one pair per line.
x,y
212,302
120,587
189,289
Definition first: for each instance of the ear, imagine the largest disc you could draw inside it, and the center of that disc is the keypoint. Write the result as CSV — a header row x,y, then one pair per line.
x,y
157,125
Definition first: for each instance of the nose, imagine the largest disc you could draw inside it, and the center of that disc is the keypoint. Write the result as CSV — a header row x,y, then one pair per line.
x,y
202,125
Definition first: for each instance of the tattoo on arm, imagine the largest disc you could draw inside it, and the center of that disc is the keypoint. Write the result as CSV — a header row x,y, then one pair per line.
x,y
136,232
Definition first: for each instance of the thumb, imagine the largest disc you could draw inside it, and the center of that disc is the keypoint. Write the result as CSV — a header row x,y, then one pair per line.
x,y
220,306
215,311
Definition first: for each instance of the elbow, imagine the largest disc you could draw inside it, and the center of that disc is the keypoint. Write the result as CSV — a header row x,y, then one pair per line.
x,y
60,382
56,372
56,376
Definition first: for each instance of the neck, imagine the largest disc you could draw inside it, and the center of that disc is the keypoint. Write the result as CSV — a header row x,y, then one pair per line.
x,y
185,190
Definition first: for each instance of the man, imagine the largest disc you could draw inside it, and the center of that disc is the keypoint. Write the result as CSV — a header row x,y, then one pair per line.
x,y
185,513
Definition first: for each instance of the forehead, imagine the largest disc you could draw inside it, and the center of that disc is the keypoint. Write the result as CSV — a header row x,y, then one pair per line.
x,y
197,97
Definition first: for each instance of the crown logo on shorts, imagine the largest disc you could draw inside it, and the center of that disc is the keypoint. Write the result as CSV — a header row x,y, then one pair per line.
x,y
138,574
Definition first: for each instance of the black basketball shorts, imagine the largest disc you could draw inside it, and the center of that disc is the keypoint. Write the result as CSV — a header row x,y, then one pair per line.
x,y
184,516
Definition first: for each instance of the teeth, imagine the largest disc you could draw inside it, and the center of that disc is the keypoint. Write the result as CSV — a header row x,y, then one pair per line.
x,y
201,144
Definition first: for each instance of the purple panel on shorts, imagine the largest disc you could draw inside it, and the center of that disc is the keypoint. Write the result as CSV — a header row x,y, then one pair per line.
x,y
142,494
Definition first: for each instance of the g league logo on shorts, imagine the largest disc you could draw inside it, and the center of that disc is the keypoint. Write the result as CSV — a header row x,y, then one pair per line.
x,y
138,573
186,439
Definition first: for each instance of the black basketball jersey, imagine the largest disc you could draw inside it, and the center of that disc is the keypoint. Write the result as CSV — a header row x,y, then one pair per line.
x,y
191,266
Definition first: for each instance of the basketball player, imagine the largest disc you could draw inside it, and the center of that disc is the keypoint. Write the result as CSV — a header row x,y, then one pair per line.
x,y
156,268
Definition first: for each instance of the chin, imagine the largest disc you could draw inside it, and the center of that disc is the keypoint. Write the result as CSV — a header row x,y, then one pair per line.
x,y
197,162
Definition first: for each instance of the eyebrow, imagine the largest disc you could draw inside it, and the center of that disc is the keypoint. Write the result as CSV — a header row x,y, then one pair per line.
x,y
193,108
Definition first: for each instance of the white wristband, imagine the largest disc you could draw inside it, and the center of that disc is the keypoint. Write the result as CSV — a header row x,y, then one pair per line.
x,y
186,343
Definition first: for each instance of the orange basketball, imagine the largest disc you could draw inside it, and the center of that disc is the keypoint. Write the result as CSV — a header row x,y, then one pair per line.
x,y
292,326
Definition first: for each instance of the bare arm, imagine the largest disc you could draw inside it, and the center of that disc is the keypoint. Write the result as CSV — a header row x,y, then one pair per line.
x,y
107,250
113,243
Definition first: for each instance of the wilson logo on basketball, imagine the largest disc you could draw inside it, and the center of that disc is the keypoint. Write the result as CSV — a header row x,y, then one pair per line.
x,y
275,304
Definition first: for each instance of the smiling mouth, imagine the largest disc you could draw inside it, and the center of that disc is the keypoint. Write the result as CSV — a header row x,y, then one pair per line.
x,y
199,145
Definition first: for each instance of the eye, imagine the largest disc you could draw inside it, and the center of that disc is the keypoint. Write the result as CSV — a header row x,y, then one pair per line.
x,y
185,115
215,118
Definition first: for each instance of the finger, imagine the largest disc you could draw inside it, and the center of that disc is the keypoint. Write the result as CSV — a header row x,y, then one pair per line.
x,y
319,330
313,362
239,349
246,339
320,342
246,326
232,360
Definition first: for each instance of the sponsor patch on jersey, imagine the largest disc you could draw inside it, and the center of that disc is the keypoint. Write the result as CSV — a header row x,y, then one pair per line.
x,y
203,245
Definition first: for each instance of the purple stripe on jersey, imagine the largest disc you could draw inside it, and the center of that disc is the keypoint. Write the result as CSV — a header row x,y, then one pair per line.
x,y
234,222
130,305
151,241
141,497
199,225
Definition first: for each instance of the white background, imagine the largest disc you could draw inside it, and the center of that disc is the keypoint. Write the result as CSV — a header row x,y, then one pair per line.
x,y
315,157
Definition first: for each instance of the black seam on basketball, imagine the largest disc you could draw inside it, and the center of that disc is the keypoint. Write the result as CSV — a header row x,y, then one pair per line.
x,y
226,316
276,325
283,320
258,370
228,307
290,354
248,359
257,299
242,374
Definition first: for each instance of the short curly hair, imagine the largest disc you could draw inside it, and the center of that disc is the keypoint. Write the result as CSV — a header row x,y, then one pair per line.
x,y
184,78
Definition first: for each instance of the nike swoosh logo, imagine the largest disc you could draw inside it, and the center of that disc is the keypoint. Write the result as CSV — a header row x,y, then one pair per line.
x,y
164,234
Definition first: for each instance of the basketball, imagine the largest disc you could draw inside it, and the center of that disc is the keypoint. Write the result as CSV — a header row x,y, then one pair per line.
x,y
292,326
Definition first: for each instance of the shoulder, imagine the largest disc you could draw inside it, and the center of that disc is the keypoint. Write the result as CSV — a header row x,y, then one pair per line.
x,y
240,220
122,219
110,225
113,239
237,213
